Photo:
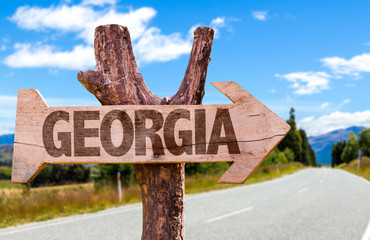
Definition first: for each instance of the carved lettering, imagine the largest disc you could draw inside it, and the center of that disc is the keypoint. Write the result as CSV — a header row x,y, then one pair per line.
x,y
63,137
223,119
185,135
106,133
200,131
80,133
142,132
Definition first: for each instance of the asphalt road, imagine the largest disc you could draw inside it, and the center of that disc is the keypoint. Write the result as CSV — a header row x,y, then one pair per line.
x,y
311,204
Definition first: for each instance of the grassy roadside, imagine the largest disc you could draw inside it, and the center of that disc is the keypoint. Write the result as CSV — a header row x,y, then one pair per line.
x,y
364,170
204,183
20,206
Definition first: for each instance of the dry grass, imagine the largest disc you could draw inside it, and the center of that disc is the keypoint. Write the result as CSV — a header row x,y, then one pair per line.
x,y
197,184
364,170
21,206
46,203
16,190
7,184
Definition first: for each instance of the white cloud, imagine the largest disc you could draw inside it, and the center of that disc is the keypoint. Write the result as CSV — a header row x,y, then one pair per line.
x,y
154,46
325,105
336,120
307,82
6,100
25,55
81,20
8,107
149,44
353,66
223,22
216,24
98,2
6,128
260,15
8,104
344,102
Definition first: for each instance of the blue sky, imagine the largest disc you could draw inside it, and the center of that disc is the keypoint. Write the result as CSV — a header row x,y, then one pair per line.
x,y
310,55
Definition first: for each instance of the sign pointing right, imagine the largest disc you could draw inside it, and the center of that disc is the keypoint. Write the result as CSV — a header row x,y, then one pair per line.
x,y
244,133
262,131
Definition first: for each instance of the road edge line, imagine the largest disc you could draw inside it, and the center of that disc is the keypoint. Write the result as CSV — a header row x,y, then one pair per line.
x,y
366,235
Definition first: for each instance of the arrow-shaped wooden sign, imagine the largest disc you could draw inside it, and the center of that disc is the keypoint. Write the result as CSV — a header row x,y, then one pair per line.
x,y
244,132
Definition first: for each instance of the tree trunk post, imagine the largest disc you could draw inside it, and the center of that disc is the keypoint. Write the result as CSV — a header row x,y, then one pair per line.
x,y
116,80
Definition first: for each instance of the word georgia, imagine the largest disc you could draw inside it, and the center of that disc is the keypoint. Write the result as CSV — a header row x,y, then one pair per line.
x,y
135,131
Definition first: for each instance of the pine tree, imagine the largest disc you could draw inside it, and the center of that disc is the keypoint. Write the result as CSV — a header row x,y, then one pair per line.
x,y
336,153
351,149
308,156
365,142
293,140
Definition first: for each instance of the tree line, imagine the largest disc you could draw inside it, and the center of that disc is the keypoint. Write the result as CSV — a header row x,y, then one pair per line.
x,y
294,147
346,151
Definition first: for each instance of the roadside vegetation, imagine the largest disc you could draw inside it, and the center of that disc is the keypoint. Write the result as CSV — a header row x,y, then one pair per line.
x,y
21,204
345,154
364,170
295,146
62,190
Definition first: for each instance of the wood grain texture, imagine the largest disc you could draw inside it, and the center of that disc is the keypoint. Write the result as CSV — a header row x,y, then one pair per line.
x,y
117,80
252,126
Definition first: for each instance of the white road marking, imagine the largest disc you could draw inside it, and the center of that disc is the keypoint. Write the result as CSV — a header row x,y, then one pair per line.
x,y
303,190
325,173
229,214
366,235
57,221
359,177
364,179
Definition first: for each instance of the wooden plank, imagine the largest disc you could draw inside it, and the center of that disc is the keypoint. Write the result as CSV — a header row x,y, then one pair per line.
x,y
244,132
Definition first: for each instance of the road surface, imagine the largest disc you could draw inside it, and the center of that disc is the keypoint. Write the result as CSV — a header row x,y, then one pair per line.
x,y
310,204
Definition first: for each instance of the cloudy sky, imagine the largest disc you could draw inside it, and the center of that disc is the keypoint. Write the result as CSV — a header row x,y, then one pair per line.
x,y
310,55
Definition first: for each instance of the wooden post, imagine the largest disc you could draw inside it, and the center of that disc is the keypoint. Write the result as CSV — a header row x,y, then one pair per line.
x,y
116,80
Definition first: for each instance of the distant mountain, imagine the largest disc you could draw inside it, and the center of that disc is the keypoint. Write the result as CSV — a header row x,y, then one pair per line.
x,y
7,139
322,144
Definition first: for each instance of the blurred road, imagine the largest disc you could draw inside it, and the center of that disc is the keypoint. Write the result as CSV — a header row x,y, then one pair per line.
x,y
311,204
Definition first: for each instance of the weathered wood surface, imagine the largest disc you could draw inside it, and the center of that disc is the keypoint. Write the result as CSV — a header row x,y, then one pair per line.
x,y
148,134
117,80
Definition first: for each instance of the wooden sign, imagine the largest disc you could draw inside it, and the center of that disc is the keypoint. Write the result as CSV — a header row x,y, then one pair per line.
x,y
244,132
